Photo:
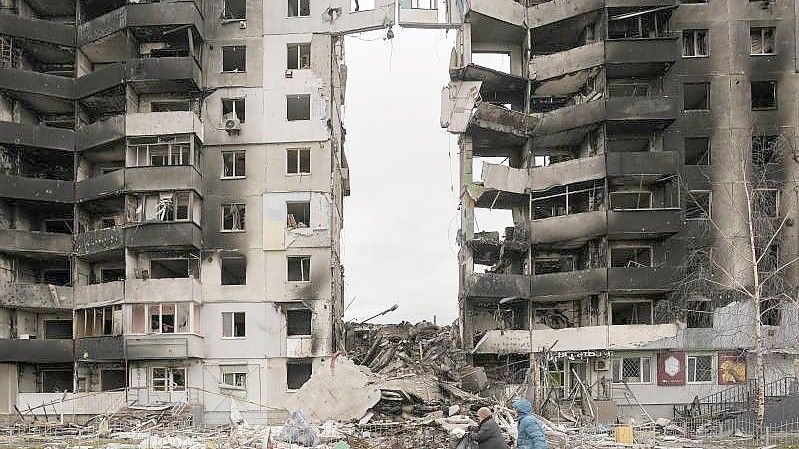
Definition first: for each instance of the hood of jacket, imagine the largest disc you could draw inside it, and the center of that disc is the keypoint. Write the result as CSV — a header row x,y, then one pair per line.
x,y
523,407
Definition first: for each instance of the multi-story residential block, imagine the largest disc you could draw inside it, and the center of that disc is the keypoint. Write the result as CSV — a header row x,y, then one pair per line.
x,y
615,132
172,177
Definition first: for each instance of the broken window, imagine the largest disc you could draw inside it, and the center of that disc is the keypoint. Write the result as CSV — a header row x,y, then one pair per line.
x,y
764,95
112,379
159,151
167,318
766,202
764,150
234,164
170,106
570,199
299,8
57,277
233,217
698,205
553,265
235,10
493,60
58,329
58,225
298,161
630,89
631,312
298,107
172,268
234,379
762,41
98,321
631,256
297,373
56,381
632,370
697,151
234,271
233,108
168,379
694,43
631,200
299,56
696,96
699,314
299,268
639,25
770,314
298,322
298,214
234,58
700,369
233,325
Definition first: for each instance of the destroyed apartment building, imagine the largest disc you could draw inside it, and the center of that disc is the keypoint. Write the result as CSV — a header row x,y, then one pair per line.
x,y
613,133
172,176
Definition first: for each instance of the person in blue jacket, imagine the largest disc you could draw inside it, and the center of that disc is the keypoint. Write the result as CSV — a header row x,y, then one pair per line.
x,y
531,434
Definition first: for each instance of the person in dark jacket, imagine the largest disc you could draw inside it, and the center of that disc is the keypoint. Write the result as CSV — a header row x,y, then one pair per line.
x,y
487,434
531,434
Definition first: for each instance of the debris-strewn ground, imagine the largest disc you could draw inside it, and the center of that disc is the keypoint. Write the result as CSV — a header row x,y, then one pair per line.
x,y
399,387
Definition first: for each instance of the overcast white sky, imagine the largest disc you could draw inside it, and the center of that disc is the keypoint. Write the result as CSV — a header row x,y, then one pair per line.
x,y
401,220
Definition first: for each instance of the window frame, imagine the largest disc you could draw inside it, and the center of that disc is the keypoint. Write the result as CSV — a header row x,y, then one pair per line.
x,y
299,97
304,280
225,17
233,386
632,192
299,9
641,377
235,48
234,154
707,96
693,33
233,335
298,161
693,358
240,206
651,249
777,194
708,155
298,62
762,30
774,91
633,301
233,100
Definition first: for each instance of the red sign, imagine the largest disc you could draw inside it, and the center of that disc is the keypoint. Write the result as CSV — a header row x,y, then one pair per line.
x,y
671,368
732,368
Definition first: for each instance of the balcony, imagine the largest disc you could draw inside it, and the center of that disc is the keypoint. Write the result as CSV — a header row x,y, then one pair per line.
x,y
641,57
163,235
644,223
643,163
488,120
164,346
163,123
172,13
48,31
87,295
21,241
95,349
492,285
36,189
92,403
572,229
35,351
496,20
641,114
36,296
553,11
98,242
556,65
570,284
148,75
497,85
36,136
100,133
588,338
139,179
162,290
642,280
27,84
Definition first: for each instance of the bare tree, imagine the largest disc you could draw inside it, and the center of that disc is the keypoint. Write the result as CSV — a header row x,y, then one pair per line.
x,y
754,201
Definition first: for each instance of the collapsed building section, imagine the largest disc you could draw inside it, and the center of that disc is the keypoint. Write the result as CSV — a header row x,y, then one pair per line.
x,y
590,122
171,201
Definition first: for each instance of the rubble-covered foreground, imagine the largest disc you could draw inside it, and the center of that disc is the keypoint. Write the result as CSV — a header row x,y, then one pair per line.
x,y
402,387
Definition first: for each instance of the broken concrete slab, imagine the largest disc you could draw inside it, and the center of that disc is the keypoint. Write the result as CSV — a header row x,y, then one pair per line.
x,y
339,390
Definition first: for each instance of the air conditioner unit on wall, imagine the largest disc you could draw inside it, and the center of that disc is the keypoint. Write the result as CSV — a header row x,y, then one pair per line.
x,y
230,122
